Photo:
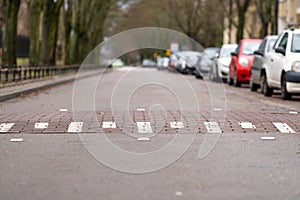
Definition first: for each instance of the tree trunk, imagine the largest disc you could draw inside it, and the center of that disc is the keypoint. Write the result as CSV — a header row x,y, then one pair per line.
x,y
51,12
68,29
34,36
10,10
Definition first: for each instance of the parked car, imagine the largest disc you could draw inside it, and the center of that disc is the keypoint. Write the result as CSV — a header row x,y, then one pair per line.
x,y
207,58
258,66
187,61
163,63
283,65
241,61
220,65
148,63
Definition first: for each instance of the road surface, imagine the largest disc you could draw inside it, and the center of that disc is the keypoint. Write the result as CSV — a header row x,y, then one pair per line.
x,y
254,151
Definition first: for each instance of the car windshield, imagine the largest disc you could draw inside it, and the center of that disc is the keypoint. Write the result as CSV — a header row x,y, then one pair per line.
x,y
226,52
250,47
210,52
296,43
271,44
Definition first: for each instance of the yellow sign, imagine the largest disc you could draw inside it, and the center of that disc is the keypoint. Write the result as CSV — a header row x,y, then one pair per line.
x,y
168,52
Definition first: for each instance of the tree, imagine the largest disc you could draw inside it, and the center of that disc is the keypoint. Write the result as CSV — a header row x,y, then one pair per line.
x,y
241,9
265,11
34,35
88,26
51,11
10,10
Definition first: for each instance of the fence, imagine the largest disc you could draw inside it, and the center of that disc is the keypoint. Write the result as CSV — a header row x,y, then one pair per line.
x,y
22,73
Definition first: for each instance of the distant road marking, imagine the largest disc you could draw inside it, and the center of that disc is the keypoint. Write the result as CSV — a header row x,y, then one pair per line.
x,y
41,125
212,127
143,139
247,125
16,139
109,125
293,112
217,109
63,110
5,127
144,127
283,127
268,138
176,125
75,127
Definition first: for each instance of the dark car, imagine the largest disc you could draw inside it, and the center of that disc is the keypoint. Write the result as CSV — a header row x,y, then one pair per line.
x,y
258,65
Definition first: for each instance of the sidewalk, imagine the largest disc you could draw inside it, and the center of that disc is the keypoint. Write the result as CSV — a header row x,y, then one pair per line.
x,y
14,90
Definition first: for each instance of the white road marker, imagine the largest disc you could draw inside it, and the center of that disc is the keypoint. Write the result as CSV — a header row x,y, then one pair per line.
x,y
75,127
283,127
293,112
217,109
212,127
63,110
176,125
143,139
41,125
178,193
247,125
109,125
16,139
5,127
141,109
144,127
268,138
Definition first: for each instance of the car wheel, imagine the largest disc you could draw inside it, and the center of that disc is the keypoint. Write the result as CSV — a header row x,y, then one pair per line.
x,y
236,83
284,93
253,86
229,80
267,91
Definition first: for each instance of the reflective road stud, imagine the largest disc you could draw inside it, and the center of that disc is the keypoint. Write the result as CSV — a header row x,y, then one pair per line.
x,y
247,125
5,127
176,125
144,127
75,127
41,125
212,127
283,127
109,125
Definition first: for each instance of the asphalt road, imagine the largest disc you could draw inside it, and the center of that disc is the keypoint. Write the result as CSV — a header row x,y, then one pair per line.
x,y
54,163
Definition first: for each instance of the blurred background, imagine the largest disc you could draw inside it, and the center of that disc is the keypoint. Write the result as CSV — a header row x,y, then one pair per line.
x,y
63,32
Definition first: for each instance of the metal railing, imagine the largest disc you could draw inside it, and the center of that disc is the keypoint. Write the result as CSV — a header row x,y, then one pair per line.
x,y
22,73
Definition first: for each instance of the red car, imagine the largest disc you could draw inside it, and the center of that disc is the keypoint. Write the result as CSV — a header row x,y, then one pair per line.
x,y
241,61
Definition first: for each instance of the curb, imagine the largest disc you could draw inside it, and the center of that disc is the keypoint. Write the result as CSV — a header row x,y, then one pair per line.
x,y
42,85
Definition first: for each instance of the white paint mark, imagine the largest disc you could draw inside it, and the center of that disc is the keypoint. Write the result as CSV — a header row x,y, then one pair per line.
x,y
217,109
143,139
268,138
283,127
144,127
63,110
141,109
41,125
178,193
212,127
293,112
75,127
5,127
176,125
247,125
109,125
16,139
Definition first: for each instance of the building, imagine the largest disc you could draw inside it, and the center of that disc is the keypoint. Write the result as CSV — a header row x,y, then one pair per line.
x,y
289,13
